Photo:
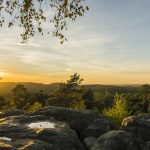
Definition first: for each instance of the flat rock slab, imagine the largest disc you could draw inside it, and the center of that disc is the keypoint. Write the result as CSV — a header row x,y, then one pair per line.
x,y
16,133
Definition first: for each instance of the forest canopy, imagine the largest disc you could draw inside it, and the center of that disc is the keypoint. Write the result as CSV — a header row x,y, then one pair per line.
x,y
114,101
31,14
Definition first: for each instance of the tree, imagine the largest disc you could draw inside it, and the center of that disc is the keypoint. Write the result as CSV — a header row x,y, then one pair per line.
x,y
145,93
20,96
3,102
88,98
39,96
31,14
69,93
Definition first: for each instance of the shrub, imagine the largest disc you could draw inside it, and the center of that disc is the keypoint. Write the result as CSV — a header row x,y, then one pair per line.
x,y
118,111
35,106
79,105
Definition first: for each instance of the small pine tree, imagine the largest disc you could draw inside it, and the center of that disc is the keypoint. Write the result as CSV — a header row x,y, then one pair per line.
x,y
118,111
70,92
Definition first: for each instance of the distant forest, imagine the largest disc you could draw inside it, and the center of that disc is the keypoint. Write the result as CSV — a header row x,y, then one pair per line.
x,y
6,87
115,101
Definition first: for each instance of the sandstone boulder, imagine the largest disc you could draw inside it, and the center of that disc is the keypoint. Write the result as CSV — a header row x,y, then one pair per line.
x,y
97,128
146,146
37,133
78,120
89,141
11,112
115,140
139,126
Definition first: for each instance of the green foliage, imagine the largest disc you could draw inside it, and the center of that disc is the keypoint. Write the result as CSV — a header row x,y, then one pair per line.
x,y
30,15
79,105
72,94
3,103
88,98
39,96
57,101
20,96
103,100
69,92
35,106
118,111
145,96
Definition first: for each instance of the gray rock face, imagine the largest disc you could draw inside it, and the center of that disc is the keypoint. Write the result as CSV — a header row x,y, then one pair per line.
x,y
77,120
146,146
89,141
28,144
12,112
97,128
115,140
56,128
37,133
5,146
139,126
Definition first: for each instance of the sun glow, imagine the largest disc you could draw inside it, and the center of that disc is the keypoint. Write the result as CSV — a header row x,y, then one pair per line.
x,y
3,74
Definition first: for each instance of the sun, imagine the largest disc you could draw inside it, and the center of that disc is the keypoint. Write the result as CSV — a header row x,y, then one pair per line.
x,y
3,74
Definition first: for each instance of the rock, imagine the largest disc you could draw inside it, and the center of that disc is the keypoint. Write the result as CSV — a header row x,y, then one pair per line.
x,y
5,146
10,127
115,140
38,133
146,146
63,138
28,144
88,142
139,126
22,119
56,128
78,120
97,128
11,112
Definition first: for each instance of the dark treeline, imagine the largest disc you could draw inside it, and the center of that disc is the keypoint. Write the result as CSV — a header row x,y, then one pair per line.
x,y
73,94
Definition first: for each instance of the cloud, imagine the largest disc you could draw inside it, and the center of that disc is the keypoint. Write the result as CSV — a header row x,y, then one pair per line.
x,y
112,38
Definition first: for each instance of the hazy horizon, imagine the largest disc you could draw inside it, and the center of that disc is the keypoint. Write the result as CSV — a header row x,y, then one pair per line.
x,y
109,45
21,82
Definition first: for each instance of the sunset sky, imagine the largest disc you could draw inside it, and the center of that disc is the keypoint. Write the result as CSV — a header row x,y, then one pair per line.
x,y
109,45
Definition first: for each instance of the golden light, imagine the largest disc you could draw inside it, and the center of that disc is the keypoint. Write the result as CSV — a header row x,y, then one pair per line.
x,y
3,74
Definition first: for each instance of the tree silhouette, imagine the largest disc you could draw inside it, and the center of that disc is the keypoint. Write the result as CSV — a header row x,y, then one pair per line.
x,y
30,15
88,97
69,93
20,96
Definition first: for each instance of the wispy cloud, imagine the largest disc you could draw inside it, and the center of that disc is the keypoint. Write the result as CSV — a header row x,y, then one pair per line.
x,y
110,41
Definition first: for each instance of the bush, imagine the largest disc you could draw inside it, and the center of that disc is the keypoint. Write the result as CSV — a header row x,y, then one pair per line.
x,y
79,105
118,111
35,106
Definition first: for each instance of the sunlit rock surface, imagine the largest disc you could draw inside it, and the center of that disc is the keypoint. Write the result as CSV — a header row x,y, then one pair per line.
x,y
139,126
5,138
42,125
37,133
